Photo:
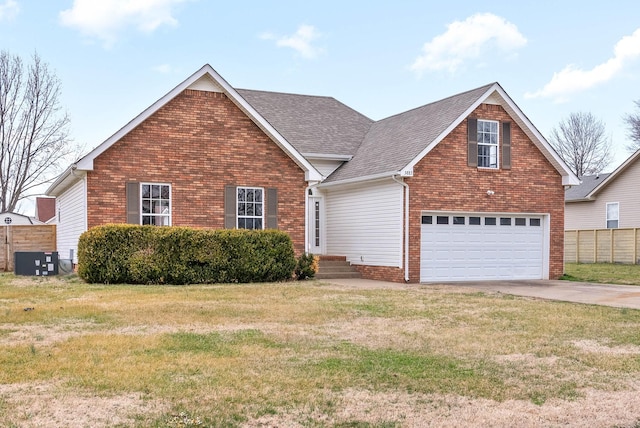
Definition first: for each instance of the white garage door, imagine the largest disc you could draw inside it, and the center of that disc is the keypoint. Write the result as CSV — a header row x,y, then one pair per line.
x,y
464,247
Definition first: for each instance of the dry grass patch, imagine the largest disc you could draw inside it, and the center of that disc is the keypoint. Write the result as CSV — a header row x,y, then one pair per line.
x,y
310,354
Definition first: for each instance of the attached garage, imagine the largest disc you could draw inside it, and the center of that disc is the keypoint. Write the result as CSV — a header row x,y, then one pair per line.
x,y
482,246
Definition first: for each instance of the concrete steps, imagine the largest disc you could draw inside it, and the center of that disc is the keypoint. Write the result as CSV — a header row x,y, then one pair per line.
x,y
333,267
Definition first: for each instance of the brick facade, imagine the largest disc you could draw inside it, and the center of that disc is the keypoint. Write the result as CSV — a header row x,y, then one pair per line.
x,y
443,181
199,142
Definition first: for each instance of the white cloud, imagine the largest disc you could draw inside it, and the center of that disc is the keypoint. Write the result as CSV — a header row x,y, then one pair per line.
x,y
301,41
9,10
466,40
105,19
571,79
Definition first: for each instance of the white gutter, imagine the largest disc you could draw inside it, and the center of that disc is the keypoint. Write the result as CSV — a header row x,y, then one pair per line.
x,y
406,226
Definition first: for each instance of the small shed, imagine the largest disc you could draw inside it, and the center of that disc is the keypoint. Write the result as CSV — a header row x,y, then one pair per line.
x,y
15,219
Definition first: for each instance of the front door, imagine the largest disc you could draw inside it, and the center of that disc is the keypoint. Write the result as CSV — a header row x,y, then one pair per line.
x,y
315,226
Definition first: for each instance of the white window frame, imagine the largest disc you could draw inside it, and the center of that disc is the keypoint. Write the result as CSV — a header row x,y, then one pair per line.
x,y
617,215
482,142
163,218
253,204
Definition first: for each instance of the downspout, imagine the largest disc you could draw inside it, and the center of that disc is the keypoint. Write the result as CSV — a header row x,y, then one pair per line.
x,y
406,226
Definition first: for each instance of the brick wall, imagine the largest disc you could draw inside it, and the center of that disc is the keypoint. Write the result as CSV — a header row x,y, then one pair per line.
x,y
198,142
443,181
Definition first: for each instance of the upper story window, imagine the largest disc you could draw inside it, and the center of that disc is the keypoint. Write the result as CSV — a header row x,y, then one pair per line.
x,y
250,204
613,215
155,204
487,144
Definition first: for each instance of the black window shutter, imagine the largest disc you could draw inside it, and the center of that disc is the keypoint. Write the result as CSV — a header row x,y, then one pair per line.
x,y
272,208
472,141
133,203
506,145
230,207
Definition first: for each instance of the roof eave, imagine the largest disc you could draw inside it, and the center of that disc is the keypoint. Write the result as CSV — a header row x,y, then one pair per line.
x,y
362,179
611,177
568,177
311,174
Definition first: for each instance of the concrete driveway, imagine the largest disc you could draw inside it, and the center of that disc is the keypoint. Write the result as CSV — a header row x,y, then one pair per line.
x,y
620,296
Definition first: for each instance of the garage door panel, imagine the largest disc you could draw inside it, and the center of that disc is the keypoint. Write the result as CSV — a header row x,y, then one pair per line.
x,y
457,252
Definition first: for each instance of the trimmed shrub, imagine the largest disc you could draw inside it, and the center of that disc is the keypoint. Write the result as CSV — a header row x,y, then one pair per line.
x,y
182,255
306,267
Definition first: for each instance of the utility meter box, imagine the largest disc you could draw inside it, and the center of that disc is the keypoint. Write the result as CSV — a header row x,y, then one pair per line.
x,y
33,263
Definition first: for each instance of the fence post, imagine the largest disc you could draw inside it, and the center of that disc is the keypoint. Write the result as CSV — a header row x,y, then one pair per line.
x,y
635,246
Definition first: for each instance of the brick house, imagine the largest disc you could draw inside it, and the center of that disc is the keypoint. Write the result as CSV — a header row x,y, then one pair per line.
x,y
460,189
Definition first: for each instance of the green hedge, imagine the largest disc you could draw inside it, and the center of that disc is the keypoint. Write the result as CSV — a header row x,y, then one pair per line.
x,y
180,255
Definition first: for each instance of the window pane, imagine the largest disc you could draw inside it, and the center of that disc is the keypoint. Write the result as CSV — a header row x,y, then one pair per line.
x,y
490,221
146,191
258,210
521,222
612,224
241,223
146,219
458,220
249,196
534,222
155,191
442,219
250,209
474,220
505,221
427,219
241,209
258,195
241,194
258,223
165,192
146,207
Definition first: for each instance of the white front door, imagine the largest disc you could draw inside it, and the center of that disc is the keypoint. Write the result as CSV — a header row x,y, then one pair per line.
x,y
315,226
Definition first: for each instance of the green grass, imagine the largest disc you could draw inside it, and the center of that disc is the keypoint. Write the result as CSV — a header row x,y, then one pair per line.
x,y
603,273
226,355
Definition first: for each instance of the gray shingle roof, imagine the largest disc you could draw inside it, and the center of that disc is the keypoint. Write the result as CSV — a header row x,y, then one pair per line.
x,y
394,142
589,182
312,124
323,125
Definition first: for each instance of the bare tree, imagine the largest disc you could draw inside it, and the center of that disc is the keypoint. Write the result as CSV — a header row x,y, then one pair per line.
x,y
33,129
633,128
581,142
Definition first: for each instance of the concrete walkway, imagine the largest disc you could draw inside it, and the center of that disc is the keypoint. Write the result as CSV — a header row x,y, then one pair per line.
x,y
619,296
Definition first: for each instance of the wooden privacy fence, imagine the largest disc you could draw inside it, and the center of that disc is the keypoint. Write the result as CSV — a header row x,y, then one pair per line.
x,y
602,246
25,238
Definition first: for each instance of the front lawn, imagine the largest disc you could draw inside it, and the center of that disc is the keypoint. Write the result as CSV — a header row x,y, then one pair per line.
x,y
603,273
309,354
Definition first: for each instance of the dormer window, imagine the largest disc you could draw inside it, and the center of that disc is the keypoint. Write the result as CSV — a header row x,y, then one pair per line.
x,y
487,144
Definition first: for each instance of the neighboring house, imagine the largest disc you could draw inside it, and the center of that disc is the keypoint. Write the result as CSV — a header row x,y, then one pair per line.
x,y
606,201
460,189
45,209
15,219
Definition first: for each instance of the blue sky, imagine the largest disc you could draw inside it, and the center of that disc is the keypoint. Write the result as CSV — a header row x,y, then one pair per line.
x,y
116,57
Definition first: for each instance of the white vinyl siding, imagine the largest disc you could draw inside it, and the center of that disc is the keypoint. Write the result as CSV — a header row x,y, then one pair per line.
x,y
592,214
364,223
325,166
71,219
